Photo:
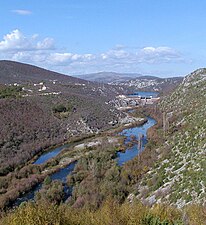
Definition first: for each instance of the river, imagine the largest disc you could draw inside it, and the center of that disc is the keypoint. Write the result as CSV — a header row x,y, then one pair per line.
x,y
60,175
50,154
145,94
122,157
131,152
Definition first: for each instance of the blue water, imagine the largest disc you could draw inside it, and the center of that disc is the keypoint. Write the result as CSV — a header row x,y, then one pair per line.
x,y
60,175
145,94
130,153
48,155
63,173
27,196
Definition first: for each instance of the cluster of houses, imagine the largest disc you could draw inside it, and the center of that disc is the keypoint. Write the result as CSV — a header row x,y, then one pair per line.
x,y
123,101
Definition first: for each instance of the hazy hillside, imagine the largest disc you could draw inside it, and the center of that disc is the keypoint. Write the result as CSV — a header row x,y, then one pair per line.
x,y
179,175
109,77
151,83
134,81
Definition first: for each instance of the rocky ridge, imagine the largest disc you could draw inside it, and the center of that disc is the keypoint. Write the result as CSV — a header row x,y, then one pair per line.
x,y
178,176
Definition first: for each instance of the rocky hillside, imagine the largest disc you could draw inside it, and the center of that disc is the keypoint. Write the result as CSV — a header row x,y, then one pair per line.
x,y
151,83
179,175
134,81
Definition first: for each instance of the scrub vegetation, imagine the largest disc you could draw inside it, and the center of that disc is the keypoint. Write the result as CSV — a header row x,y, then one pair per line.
x,y
110,212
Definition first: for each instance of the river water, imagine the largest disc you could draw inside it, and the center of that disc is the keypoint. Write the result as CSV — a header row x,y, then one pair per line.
x,y
131,152
48,155
145,94
122,157
60,175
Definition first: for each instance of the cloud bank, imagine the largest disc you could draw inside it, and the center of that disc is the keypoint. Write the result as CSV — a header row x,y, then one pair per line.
x,y
42,52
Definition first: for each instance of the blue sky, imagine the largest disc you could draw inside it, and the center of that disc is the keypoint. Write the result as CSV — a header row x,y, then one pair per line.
x,y
156,37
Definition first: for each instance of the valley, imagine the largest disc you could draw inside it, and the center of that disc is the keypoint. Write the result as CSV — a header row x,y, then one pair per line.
x,y
102,112
122,156
78,143
42,119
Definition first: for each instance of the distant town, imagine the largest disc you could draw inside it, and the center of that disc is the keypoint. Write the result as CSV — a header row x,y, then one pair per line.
x,y
129,101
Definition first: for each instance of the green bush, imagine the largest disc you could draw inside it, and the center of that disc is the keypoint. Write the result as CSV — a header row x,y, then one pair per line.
x,y
10,92
59,108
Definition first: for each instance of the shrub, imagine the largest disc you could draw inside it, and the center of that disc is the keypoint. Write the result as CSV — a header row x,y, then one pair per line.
x,y
10,92
59,108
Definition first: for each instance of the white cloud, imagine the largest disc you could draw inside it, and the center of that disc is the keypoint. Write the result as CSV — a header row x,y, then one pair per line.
x,y
16,41
47,43
42,52
22,12
60,57
150,55
160,51
65,58
115,54
37,58
162,54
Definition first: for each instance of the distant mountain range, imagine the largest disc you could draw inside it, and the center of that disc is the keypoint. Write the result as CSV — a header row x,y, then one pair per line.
x,y
135,81
151,83
108,77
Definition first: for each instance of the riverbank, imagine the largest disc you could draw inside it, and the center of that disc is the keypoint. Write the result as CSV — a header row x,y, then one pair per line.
x,y
62,160
68,142
136,137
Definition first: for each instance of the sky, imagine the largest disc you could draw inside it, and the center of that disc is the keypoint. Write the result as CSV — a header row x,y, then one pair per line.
x,y
152,37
